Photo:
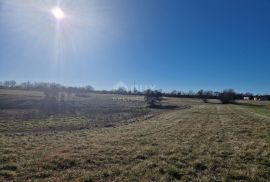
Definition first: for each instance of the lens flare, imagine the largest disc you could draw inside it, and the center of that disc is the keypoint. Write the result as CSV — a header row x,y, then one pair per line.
x,y
58,13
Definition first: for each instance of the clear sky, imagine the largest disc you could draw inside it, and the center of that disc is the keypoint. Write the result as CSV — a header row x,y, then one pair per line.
x,y
172,44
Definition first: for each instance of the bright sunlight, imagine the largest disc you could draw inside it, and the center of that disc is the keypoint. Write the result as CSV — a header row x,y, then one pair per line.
x,y
58,13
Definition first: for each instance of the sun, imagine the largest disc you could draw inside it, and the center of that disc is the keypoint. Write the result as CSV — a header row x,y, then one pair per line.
x,y
58,13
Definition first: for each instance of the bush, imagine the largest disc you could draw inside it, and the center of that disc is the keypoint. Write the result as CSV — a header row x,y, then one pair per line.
x,y
205,100
153,98
227,96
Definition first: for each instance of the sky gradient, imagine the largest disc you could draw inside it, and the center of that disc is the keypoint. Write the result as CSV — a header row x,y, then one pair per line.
x,y
174,45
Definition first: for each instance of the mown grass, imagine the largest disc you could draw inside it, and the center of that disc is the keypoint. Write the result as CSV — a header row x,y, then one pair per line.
x,y
207,142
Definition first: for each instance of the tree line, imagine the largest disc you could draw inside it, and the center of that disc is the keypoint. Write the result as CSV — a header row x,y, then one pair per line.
x,y
12,84
226,96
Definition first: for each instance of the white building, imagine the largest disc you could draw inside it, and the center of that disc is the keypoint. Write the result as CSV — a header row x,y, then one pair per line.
x,y
256,98
246,98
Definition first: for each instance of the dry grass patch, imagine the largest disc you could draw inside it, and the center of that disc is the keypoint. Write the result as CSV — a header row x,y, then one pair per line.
x,y
208,142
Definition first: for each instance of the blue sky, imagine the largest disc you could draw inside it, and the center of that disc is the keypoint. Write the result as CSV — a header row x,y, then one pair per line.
x,y
174,44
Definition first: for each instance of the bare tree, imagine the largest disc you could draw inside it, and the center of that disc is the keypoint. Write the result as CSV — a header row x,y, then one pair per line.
x,y
89,88
12,83
7,84
121,90
26,85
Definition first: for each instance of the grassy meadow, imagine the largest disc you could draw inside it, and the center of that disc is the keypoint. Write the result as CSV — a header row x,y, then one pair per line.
x,y
117,138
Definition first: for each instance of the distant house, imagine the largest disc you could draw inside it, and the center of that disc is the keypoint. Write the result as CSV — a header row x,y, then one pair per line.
x,y
246,98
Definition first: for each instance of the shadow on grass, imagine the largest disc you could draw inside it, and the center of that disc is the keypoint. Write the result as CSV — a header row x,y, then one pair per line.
x,y
169,107
237,103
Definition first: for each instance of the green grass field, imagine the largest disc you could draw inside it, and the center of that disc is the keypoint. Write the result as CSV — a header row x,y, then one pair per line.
x,y
198,142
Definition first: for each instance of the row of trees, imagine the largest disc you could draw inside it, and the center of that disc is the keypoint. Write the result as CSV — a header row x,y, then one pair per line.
x,y
202,94
45,86
208,94
9,83
153,98
225,96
